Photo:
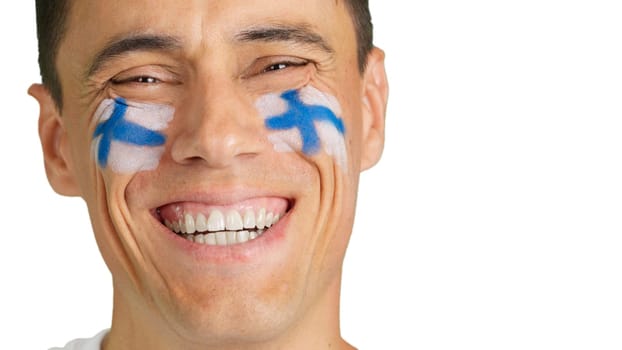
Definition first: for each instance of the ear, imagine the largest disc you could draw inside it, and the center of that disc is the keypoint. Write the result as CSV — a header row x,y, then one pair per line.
x,y
375,95
55,144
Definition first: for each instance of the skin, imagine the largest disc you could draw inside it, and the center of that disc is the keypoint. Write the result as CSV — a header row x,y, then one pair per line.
x,y
279,293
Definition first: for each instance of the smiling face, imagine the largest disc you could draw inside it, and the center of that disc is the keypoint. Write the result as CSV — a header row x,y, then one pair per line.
x,y
218,146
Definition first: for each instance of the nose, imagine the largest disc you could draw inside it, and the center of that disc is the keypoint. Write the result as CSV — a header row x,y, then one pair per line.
x,y
218,126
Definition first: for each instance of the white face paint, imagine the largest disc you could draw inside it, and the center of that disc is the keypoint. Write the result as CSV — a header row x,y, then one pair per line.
x,y
298,125
127,137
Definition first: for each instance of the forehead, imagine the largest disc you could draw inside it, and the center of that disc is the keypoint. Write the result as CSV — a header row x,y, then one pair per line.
x,y
92,24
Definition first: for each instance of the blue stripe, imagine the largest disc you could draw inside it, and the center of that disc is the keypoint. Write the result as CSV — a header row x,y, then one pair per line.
x,y
302,117
116,128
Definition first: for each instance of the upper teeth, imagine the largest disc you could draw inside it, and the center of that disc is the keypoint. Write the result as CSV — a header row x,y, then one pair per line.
x,y
232,220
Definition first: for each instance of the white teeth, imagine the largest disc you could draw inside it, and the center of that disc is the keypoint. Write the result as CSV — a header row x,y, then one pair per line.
x,y
223,230
234,221
201,223
210,239
269,218
261,218
189,221
276,218
224,238
231,237
243,236
221,238
216,221
249,219
199,238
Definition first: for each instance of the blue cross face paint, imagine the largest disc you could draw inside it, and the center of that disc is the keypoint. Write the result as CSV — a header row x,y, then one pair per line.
x,y
305,120
127,138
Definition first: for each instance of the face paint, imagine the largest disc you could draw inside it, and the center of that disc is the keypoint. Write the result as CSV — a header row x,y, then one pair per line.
x,y
305,120
126,138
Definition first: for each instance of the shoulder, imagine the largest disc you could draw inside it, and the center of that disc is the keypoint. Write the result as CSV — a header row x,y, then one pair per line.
x,y
93,343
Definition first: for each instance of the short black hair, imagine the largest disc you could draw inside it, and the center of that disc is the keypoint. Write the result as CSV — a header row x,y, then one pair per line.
x,y
363,28
52,24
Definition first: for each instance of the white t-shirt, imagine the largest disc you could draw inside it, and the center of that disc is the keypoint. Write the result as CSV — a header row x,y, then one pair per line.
x,y
85,344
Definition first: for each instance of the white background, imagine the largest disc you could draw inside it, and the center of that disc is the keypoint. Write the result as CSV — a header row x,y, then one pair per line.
x,y
492,222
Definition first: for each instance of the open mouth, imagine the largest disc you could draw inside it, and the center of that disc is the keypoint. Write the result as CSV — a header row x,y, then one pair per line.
x,y
223,225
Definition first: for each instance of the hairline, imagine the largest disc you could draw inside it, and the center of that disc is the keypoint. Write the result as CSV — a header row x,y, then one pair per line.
x,y
55,87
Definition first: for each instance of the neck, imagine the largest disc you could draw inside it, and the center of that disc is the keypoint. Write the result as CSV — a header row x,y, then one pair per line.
x,y
138,325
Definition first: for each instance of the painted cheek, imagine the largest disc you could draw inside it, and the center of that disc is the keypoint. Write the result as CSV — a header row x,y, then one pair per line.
x,y
305,120
127,138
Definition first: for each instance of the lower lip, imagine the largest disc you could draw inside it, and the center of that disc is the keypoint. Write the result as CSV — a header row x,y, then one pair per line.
x,y
242,253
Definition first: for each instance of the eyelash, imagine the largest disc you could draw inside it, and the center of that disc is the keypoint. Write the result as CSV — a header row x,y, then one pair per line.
x,y
272,68
284,65
142,79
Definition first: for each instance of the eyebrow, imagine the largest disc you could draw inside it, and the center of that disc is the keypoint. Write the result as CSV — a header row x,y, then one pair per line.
x,y
301,34
125,45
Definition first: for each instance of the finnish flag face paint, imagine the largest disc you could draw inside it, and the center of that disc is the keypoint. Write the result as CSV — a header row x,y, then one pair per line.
x,y
305,120
127,138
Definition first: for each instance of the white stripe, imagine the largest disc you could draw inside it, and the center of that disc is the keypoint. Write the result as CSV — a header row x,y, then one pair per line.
x,y
333,142
127,158
151,116
309,95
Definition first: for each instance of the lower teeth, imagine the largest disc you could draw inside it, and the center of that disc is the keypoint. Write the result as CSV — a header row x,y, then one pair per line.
x,y
224,238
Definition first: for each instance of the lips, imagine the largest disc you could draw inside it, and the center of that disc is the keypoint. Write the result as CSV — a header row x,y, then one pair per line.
x,y
223,225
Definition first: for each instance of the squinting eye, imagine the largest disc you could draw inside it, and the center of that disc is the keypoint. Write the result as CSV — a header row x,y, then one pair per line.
x,y
143,79
274,67
146,80
283,65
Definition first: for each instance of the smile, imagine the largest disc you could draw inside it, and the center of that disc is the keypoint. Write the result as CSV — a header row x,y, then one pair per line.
x,y
223,225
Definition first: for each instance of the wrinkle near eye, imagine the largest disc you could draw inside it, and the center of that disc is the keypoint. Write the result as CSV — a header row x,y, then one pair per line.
x,y
279,80
271,64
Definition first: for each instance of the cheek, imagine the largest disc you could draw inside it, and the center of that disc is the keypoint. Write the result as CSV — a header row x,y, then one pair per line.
x,y
305,120
128,137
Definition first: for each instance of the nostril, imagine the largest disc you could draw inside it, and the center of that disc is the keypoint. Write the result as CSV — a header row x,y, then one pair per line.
x,y
217,151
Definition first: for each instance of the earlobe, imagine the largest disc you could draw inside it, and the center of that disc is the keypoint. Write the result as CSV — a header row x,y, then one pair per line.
x,y
375,96
54,143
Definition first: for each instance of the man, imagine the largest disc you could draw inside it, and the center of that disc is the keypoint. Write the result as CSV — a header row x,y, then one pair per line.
x,y
218,146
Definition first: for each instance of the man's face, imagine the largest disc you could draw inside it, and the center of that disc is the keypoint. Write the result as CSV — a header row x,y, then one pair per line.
x,y
218,71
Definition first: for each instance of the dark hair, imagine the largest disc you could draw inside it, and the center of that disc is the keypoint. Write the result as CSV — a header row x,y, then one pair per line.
x,y
52,23
361,18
